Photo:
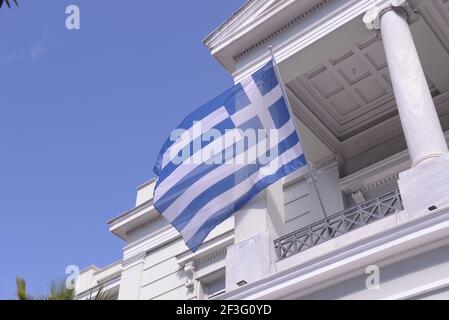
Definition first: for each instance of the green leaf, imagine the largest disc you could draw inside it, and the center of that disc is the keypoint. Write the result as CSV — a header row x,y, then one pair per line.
x,y
20,282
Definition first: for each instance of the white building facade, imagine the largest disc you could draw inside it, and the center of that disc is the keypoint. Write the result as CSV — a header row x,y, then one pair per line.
x,y
368,83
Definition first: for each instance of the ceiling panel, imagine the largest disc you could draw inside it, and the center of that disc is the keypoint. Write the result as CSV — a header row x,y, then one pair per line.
x,y
349,92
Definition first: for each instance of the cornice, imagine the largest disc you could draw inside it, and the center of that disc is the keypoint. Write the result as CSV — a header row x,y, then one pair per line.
x,y
148,222
384,180
325,24
152,242
217,32
211,250
318,167
107,267
386,170
129,213
215,255
146,184
135,259
113,280
255,17
142,214
89,268
280,30
355,181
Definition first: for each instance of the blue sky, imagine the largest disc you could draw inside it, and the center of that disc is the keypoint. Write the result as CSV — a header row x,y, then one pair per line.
x,y
83,115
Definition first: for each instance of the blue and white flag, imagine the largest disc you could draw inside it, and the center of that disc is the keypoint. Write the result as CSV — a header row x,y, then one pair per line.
x,y
224,153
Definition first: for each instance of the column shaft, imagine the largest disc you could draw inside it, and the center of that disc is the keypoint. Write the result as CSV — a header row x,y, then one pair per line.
x,y
420,123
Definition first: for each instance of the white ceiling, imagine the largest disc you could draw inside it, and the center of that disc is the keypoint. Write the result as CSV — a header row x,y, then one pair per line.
x,y
351,92
347,99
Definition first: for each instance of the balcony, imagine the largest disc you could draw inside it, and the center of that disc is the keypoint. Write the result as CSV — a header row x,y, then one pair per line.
x,y
338,224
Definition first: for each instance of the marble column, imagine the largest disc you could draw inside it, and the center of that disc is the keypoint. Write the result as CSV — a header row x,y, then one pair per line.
x,y
420,123
425,187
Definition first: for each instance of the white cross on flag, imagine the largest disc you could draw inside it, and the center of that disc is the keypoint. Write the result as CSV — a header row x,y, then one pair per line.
x,y
224,153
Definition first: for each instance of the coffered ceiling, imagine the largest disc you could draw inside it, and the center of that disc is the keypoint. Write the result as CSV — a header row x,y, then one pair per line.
x,y
351,92
346,99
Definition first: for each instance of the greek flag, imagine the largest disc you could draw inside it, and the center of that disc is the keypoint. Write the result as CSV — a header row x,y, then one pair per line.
x,y
224,153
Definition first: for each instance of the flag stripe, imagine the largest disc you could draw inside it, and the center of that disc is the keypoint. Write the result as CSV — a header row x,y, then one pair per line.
x,y
170,204
231,166
227,156
232,195
210,121
220,216
223,185
197,239
226,99
188,165
197,148
199,176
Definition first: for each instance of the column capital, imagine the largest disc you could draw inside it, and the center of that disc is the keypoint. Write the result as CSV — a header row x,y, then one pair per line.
x,y
371,19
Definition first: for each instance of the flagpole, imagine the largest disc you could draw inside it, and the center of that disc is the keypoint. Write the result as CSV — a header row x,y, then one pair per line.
x,y
312,170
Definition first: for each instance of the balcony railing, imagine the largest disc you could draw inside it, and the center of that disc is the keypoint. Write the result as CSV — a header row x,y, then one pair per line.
x,y
338,224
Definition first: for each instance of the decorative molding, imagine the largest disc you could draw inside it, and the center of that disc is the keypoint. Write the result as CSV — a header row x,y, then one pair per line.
x,y
154,242
113,278
373,16
189,269
384,170
210,251
150,220
105,284
134,260
384,180
247,13
358,197
304,38
420,290
377,174
146,184
89,268
109,266
129,213
193,262
317,167
278,31
212,256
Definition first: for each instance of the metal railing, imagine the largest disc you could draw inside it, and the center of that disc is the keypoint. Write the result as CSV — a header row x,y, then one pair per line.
x,y
338,224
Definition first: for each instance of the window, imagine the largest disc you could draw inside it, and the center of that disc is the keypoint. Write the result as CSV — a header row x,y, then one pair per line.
x,y
215,288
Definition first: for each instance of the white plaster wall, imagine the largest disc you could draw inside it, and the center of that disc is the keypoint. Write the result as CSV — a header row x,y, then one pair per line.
x,y
252,219
399,280
301,203
315,149
145,192
85,279
161,275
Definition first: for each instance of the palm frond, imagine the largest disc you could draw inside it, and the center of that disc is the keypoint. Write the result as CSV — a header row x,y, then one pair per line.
x,y
22,291
100,294
20,282
8,3
59,291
